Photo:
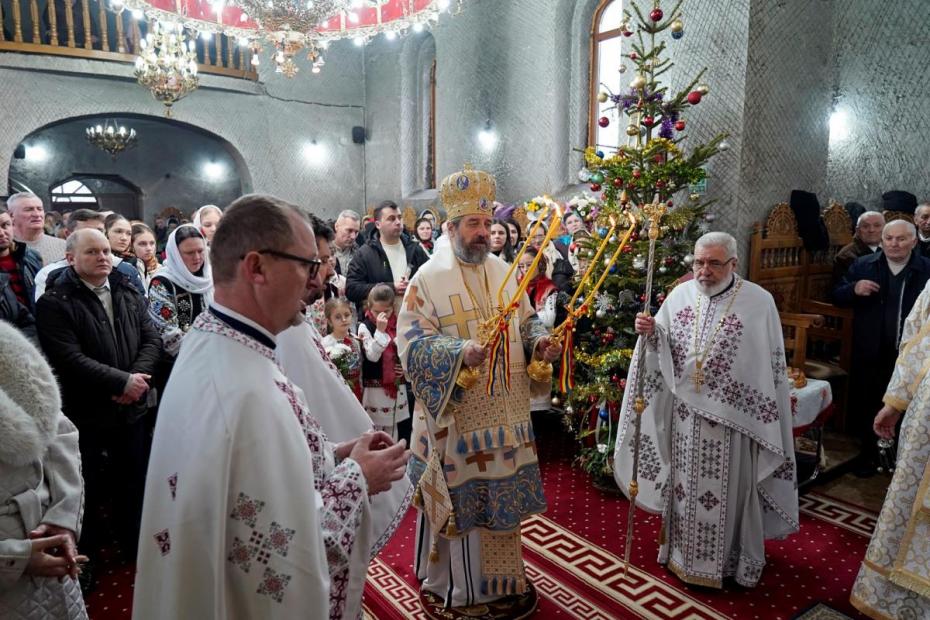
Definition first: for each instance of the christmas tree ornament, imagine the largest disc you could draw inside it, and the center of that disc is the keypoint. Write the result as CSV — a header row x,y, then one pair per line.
x,y
663,269
638,82
637,173
677,35
600,313
600,154
688,259
602,97
584,174
694,97
622,384
649,121
596,177
633,55
656,14
569,409
639,262
702,88
724,146
710,217
618,182
677,26
660,184
632,130
556,401
595,187
679,125
603,121
621,69
669,204
694,197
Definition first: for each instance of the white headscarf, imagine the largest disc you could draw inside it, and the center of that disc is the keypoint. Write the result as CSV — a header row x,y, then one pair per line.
x,y
175,270
200,211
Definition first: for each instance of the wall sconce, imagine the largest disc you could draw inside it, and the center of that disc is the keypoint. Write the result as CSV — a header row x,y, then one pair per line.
x,y
314,152
487,137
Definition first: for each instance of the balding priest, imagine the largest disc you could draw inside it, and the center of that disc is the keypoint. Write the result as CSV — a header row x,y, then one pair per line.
x,y
716,449
473,455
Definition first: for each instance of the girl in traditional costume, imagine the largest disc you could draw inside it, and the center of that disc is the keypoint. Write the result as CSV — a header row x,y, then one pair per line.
x,y
341,346
385,395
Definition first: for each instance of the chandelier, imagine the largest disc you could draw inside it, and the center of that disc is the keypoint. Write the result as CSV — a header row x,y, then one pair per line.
x,y
167,63
111,138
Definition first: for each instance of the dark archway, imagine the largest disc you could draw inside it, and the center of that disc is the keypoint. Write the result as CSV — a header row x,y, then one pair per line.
x,y
174,165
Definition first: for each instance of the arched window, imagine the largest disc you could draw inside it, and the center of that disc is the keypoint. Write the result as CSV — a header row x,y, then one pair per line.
x,y
74,191
605,62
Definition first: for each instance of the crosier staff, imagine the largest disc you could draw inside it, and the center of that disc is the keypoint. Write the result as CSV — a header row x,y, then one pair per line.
x,y
653,214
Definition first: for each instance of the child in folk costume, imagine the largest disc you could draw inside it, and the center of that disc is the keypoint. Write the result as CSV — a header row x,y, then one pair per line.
x,y
544,297
385,395
341,345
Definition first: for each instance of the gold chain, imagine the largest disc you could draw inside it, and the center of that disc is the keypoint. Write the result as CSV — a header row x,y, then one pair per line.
x,y
699,358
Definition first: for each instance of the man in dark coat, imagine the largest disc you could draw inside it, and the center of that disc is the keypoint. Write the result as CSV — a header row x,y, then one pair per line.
x,y
95,329
881,288
18,262
386,257
868,239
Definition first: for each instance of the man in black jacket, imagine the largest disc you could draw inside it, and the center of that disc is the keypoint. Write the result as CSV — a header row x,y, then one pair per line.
x,y
387,257
881,288
18,262
95,330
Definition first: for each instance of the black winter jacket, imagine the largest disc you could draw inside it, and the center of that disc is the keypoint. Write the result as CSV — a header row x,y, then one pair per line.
x,y
370,266
29,262
14,312
93,366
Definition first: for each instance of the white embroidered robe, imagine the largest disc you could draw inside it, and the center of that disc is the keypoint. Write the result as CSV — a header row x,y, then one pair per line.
x,y
246,515
303,358
717,463
894,580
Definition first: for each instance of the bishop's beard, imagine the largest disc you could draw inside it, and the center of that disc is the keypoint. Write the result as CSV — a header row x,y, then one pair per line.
x,y
470,254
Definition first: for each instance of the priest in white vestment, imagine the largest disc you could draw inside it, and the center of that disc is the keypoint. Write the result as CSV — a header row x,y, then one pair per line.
x,y
716,448
249,512
303,359
894,580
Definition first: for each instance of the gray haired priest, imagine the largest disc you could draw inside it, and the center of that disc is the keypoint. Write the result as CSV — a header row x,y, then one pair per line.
x,y
716,447
473,456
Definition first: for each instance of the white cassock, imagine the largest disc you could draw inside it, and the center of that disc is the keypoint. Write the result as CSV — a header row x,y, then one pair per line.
x,y
716,460
302,357
246,513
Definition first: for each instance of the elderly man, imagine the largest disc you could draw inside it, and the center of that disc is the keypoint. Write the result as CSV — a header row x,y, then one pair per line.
x,y
716,449
19,266
347,226
867,240
95,330
922,220
474,456
881,290
29,226
249,511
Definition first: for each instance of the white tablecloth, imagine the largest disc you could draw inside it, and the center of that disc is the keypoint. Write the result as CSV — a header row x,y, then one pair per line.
x,y
807,402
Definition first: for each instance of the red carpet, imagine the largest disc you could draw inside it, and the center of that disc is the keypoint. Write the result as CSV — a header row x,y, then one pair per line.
x,y
574,551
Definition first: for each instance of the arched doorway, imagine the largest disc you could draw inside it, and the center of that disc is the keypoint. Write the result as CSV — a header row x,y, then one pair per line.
x,y
173,165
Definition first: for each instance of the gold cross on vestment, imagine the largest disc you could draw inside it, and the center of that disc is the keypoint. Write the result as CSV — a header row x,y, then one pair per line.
x,y
459,317
698,376
435,495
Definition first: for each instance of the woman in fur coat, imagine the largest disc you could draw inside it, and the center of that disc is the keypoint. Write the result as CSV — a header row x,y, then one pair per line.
x,y
41,489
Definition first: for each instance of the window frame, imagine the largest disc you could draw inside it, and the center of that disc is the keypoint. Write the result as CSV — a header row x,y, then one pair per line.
x,y
594,82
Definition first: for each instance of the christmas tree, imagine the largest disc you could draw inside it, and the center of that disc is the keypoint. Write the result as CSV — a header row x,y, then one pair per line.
x,y
654,168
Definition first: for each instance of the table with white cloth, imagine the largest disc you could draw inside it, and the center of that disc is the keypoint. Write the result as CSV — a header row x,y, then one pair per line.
x,y
811,407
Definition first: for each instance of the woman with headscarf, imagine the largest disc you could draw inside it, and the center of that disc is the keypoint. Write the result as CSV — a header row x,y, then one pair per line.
x,y
183,287
559,270
423,234
207,218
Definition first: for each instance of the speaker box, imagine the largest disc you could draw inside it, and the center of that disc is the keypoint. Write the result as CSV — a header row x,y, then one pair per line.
x,y
358,135
19,152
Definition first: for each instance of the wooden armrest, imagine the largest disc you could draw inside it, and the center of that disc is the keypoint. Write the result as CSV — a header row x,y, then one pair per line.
x,y
820,307
803,320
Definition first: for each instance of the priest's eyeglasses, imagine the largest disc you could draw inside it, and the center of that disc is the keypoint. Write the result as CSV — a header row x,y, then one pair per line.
x,y
713,265
312,264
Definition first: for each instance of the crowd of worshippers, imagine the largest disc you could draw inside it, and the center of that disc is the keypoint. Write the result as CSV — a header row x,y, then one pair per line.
x,y
109,300
879,275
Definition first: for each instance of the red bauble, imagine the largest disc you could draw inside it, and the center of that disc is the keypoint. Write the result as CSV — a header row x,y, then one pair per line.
x,y
660,297
656,14
622,384
694,97
618,183
615,379
595,187
642,297
660,184
628,249
670,204
648,121
628,33
679,126
634,236
637,173
633,55
669,260
604,121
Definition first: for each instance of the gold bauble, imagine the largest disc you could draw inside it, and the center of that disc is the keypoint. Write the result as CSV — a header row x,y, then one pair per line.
x,y
694,197
703,89
632,130
638,82
677,26
556,401
602,97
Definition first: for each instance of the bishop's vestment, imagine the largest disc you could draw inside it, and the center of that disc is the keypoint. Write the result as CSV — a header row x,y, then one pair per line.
x,y
894,580
246,513
716,449
473,456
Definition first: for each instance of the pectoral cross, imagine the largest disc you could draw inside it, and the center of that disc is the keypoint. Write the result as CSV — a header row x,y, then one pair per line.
x,y
698,376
